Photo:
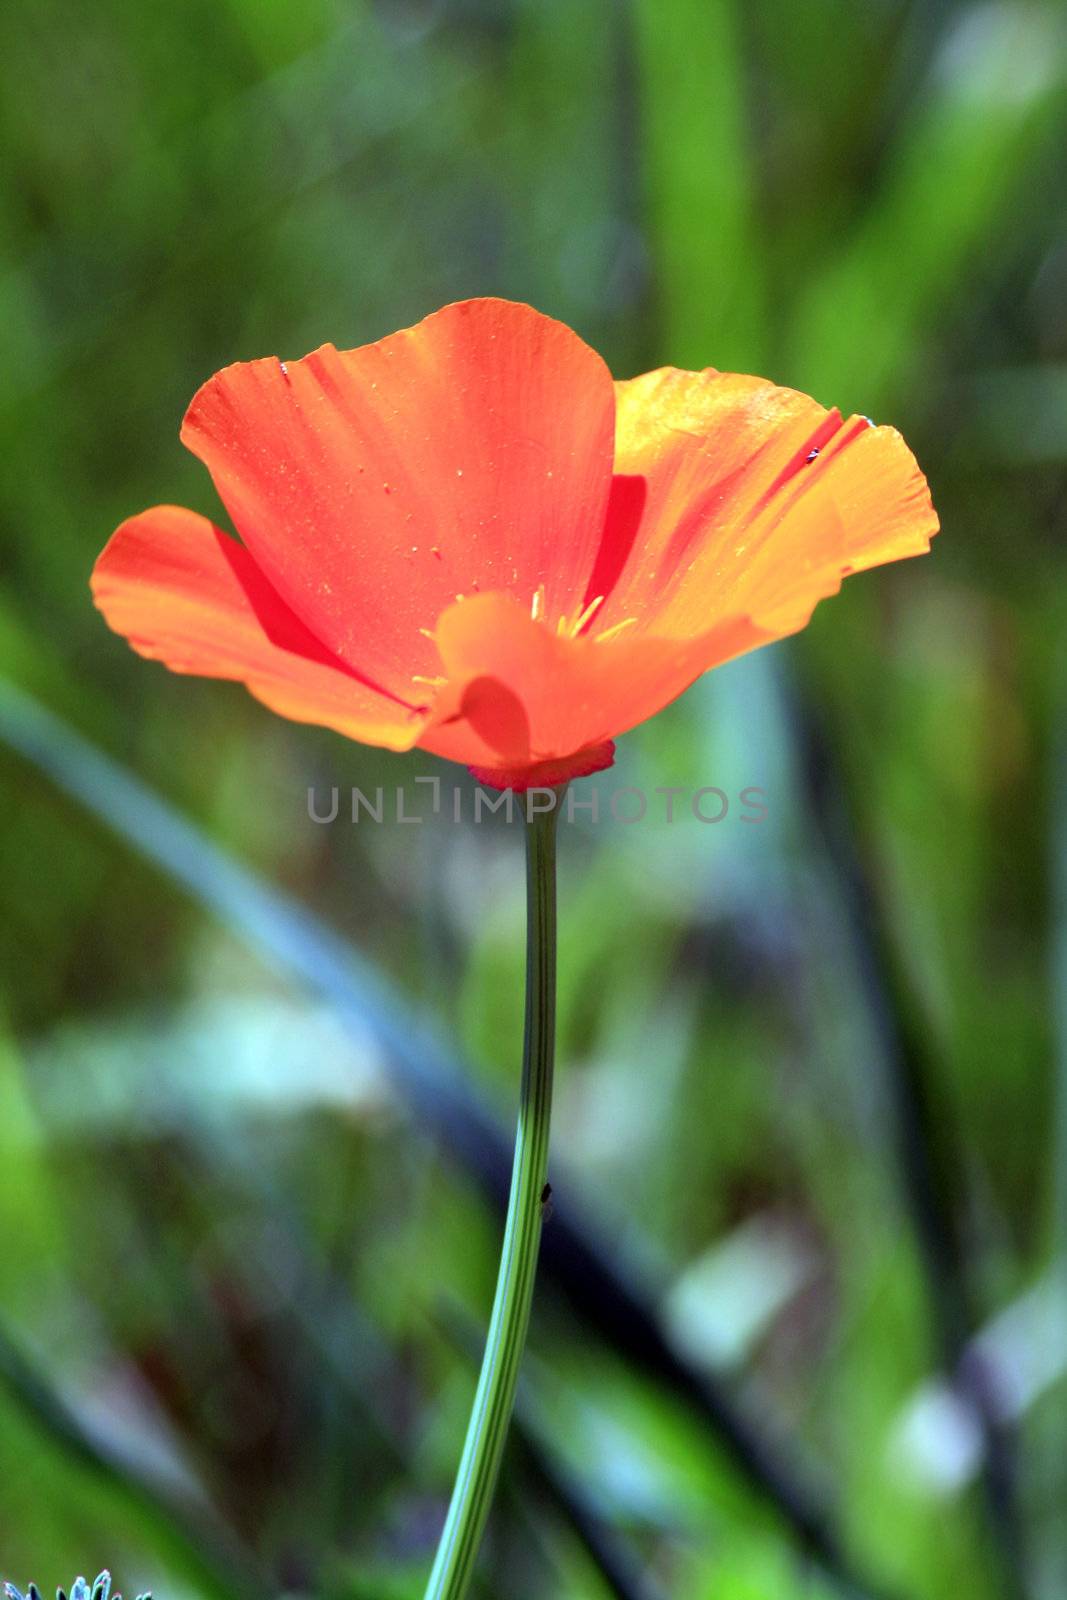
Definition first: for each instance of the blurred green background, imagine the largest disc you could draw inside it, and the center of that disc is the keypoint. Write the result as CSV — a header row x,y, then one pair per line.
x,y
802,1325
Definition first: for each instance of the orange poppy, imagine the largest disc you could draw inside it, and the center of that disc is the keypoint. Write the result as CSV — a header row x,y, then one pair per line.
x,y
466,537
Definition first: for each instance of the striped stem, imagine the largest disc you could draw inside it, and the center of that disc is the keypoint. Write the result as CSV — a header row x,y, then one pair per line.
x,y
491,1415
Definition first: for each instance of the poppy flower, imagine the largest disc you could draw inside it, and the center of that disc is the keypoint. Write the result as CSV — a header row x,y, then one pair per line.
x,y
468,538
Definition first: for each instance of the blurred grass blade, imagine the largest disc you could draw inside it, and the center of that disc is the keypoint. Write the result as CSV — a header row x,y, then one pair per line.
x,y
924,1140
1058,876
935,1438
698,183
994,99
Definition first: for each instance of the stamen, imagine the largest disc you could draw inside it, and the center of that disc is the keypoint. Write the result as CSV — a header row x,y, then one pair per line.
x,y
431,683
614,630
589,613
566,626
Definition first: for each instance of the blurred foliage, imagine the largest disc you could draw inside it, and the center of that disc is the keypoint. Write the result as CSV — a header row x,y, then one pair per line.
x,y
829,1144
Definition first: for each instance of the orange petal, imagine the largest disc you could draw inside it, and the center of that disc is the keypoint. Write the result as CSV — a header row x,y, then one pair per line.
x,y
185,593
757,502
470,453
544,701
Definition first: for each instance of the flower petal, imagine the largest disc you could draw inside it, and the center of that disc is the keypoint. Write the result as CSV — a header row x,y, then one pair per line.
x,y
757,502
185,593
520,695
470,453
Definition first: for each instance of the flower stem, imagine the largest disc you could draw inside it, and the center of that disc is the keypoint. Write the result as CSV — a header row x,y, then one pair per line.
x,y
491,1414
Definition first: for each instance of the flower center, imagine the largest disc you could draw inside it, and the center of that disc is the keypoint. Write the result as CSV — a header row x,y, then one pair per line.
x,y
569,627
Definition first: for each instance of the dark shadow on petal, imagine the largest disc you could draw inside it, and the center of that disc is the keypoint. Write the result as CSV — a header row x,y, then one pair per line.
x,y
626,505
280,622
498,716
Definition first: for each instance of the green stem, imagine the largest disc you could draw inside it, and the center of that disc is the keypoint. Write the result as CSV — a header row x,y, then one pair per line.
x,y
488,1427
